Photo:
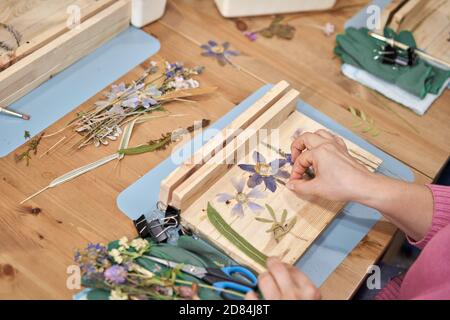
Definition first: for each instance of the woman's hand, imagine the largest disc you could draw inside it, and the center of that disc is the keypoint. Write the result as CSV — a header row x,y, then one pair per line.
x,y
284,282
338,176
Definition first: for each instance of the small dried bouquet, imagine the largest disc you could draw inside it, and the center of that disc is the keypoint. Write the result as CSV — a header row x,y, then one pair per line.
x,y
161,83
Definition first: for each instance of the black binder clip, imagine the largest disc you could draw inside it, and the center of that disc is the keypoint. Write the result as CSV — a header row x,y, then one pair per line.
x,y
157,228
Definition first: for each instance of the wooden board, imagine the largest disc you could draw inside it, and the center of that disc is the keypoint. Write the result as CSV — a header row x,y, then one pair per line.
x,y
35,68
429,21
41,21
218,142
214,177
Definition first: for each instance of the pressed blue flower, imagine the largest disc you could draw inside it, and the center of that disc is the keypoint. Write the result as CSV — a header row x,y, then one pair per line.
x,y
153,92
265,172
131,102
116,274
243,199
219,51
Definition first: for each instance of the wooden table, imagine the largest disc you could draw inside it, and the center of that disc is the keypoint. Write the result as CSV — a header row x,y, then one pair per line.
x,y
35,250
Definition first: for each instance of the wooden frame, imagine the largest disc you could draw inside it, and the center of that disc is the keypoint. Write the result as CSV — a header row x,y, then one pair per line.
x,y
193,191
58,50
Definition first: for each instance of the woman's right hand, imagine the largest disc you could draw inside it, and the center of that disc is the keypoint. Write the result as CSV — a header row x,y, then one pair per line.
x,y
338,176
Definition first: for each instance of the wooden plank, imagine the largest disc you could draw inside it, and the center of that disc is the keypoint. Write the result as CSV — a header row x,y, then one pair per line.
x,y
408,12
388,13
41,65
219,141
191,188
313,214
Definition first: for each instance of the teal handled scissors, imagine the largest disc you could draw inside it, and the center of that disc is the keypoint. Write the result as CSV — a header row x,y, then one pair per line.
x,y
219,278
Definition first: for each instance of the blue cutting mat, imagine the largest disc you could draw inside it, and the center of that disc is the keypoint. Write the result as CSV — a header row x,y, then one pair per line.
x,y
331,248
71,87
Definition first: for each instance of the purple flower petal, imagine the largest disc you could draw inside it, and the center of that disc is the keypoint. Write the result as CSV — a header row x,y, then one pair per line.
x,y
212,43
282,174
247,167
257,193
232,53
277,164
238,210
288,157
270,183
238,184
254,180
225,45
224,197
116,274
256,208
258,157
205,47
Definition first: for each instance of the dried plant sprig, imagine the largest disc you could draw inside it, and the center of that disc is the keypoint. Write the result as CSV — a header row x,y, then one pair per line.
x,y
32,148
235,238
279,228
117,155
13,31
364,121
163,142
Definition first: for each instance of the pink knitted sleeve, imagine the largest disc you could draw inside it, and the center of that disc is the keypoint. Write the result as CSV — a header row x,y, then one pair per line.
x,y
441,214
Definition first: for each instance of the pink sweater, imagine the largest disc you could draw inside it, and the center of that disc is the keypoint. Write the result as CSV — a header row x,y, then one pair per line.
x,y
429,276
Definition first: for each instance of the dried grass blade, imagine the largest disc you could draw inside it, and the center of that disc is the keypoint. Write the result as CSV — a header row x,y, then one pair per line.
x,y
75,173
126,136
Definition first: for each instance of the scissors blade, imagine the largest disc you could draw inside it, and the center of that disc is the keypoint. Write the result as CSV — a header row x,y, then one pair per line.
x,y
187,268
167,263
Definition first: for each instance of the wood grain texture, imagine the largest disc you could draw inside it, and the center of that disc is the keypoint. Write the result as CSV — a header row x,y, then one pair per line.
x,y
39,248
41,21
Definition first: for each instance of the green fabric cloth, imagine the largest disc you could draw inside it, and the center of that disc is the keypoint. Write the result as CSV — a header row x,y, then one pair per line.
x,y
358,48
188,250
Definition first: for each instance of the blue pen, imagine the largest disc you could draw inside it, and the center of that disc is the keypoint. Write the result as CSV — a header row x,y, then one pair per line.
x,y
220,278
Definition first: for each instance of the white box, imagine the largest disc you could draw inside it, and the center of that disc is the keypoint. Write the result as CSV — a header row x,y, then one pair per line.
x,y
144,12
240,8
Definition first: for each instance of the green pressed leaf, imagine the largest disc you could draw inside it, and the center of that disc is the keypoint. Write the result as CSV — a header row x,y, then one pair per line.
x,y
283,216
272,212
263,220
363,121
224,229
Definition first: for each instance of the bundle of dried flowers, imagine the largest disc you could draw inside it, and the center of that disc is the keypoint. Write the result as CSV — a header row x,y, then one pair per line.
x,y
121,270
161,83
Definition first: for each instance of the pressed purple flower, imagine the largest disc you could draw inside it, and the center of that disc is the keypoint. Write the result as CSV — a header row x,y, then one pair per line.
x,y
265,172
243,199
116,274
148,102
131,102
252,36
219,51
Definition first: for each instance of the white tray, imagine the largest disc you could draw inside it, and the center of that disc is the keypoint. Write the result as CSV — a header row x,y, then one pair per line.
x,y
240,8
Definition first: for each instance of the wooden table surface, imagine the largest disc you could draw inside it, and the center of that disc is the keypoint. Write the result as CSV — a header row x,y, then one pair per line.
x,y
39,248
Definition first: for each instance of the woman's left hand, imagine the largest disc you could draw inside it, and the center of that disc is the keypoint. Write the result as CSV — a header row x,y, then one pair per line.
x,y
284,282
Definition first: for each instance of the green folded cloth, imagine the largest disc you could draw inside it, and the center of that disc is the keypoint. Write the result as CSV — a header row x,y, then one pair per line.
x,y
188,250
358,48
